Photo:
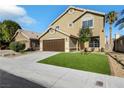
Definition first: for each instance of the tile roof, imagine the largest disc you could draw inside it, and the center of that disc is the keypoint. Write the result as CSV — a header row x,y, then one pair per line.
x,y
28,34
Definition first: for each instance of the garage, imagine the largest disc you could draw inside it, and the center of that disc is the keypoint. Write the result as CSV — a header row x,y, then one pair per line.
x,y
54,45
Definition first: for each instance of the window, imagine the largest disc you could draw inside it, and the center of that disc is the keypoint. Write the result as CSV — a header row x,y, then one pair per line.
x,y
57,27
94,42
70,25
88,24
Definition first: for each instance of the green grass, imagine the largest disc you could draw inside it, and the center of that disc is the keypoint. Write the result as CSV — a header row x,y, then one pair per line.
x,y
91,62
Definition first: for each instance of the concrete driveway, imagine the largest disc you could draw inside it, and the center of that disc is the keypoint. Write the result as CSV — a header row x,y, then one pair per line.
x,y
34,57
26,66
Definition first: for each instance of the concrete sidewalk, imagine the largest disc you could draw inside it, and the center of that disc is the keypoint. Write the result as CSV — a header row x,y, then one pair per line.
x,y
54,76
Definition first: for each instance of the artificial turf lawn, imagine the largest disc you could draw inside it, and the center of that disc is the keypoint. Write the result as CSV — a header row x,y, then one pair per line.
x,y
88,62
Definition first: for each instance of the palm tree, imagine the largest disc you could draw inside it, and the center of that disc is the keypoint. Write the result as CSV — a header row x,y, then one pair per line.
x,y
111,17
120,21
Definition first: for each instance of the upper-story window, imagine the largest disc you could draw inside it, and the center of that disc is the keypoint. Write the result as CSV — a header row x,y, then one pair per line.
x,y
70,24
57,28
88,24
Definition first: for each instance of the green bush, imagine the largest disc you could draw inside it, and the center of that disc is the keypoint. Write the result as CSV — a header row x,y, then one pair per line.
x,y
17,46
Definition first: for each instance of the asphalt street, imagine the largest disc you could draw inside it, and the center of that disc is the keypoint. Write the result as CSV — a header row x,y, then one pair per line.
x,y
11,81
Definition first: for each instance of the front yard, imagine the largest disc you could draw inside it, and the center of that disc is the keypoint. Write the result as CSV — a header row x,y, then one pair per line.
x,y
89,62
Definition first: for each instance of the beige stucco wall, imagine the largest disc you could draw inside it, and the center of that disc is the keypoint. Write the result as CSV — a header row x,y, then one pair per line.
x,y
65,20
97,30
20,38
52,34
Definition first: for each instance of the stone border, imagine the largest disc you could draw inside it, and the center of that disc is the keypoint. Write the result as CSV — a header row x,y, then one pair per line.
x,y
116,58
110,65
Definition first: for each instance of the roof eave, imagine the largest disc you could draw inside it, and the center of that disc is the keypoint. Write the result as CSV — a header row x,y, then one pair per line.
x,y
81,9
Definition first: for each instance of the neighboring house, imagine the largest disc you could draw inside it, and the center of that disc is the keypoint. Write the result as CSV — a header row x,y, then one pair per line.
x,y
63,32
29,38
119,44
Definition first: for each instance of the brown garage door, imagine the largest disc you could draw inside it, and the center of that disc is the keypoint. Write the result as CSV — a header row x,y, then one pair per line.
x,y
54,45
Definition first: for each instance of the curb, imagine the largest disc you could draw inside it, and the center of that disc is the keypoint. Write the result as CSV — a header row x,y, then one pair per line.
x,y
117,60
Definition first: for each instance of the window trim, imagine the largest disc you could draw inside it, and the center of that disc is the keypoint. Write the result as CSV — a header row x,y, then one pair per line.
x,y
57,28
89,20
94,45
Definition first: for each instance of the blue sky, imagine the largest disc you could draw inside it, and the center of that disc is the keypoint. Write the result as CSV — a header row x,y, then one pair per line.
x,y
37,18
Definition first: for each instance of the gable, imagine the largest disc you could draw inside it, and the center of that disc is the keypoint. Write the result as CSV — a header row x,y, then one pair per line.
x,y
75,19
77,25
66,18
52,34
20,37
78,12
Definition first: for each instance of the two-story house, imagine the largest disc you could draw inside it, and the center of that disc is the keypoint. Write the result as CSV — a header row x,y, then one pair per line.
x,y
63,32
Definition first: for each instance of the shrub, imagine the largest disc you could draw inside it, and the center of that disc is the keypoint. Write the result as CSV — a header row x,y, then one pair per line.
x,y
17,46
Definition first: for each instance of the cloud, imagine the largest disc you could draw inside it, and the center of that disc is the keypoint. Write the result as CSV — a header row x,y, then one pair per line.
x,y
17,14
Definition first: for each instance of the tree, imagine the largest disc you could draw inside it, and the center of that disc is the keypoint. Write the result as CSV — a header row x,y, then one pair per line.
x,y
120,21
111,17
9,28
84,36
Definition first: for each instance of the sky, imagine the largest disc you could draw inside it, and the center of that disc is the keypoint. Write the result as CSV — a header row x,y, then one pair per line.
x,y
37,18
